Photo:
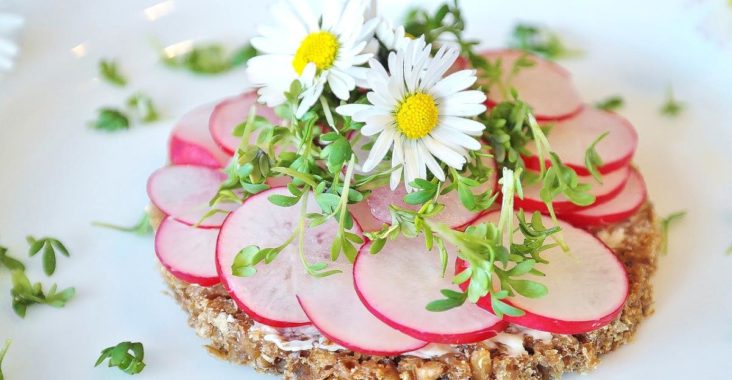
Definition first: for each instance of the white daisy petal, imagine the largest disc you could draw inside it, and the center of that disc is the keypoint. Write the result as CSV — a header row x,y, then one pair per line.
x,y
379,150
472,96
467,126
302,9
461,109
453,83
430,161
352,109
451,136
331,13
376,124
397,159
444,153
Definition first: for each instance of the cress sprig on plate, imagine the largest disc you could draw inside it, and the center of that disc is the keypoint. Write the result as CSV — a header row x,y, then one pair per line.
x,y
337,81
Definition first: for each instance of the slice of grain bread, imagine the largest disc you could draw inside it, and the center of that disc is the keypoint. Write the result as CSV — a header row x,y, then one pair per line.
x,y
215,317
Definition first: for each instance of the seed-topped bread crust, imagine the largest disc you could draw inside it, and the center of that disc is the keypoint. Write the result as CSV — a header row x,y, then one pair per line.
x,y
214,316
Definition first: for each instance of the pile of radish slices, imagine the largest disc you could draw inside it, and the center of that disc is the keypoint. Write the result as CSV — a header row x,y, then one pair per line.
x,y
377,305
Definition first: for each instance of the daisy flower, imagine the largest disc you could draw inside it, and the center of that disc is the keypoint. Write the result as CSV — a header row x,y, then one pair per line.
x,y
392,38
315,49
419,115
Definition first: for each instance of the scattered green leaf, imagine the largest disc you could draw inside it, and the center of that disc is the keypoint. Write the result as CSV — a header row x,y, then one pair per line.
x,y
210,59
671,107
141,228
111,120
3,351
539,40
49,246
612,103
127,356
142,107
110,72
665,225
8,261
26,294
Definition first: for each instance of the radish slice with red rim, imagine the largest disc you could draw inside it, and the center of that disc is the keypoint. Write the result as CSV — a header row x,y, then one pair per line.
x,y
546,86
620,208
232,112
335,310
454,215
268,296
184,192
587,287
192,144
571,138
187,252
612,185
397,284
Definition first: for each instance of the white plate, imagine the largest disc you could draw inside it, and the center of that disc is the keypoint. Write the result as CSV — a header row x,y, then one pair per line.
x,y
57,175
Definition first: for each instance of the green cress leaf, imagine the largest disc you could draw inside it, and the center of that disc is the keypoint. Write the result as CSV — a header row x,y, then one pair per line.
x,y
210,59
25,294
666,224
452,300
3,351
612,103
593,159
671,107
337,152
127,356
143,108
110,72
538,40
49,247
111,120
141,228
8,261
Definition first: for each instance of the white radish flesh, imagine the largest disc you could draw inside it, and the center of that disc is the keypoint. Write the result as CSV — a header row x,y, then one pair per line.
x,y
612,185
571,138
269,295
620,208
587,286
335,310
230,113
187,252
192,144
184,191
545,86
397,284
362,214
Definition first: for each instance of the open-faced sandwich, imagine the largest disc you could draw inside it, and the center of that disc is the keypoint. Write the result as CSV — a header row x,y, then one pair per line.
x,y
392,204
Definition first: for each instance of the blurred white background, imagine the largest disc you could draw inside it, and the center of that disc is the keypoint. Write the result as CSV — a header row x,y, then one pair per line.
x,y
57,175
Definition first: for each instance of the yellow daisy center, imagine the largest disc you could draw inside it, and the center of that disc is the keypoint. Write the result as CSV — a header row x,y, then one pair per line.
x,y
319,48
417,115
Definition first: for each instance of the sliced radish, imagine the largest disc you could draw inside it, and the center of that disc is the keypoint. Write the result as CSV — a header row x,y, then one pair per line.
x,y
622,207
187,252
334,308
454,214
191,142
184,191
397,284
571,138
587,286
362,214
232,112
269,295
612,185
546,86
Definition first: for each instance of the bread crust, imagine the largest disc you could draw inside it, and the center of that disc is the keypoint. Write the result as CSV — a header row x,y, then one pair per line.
x,y
215,317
